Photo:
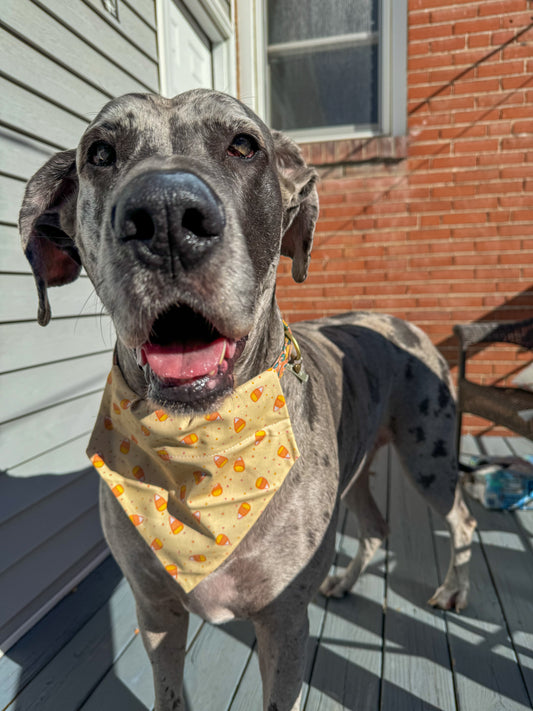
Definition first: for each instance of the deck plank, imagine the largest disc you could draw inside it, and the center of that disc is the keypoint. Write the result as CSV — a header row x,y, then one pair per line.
x,y
38,647
417,672
508,555
71,675
216,661
347,672
486,672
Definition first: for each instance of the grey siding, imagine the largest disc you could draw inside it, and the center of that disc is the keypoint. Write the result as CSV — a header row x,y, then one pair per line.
x,y
62,60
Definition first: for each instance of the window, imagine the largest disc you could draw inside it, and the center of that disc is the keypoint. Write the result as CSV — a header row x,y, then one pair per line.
x,y
331,70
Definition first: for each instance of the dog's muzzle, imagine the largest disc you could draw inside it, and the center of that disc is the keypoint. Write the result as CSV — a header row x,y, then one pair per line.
x,y
173,215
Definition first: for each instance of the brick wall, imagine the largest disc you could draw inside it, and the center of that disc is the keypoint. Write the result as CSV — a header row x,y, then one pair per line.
x,y
437,227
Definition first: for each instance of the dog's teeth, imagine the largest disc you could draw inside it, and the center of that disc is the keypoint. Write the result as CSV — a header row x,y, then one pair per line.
x,y
223,353
141,358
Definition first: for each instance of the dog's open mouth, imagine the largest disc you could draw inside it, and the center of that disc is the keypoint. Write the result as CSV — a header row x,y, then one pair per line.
x,y
187,358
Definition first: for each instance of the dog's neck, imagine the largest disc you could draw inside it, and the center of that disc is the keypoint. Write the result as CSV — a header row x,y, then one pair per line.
x,y
264,344
265,341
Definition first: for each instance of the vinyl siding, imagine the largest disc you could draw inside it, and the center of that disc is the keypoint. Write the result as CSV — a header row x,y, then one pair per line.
x,y
62,60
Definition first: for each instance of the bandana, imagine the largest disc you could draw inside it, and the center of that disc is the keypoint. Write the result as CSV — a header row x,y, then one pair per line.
x,y
193,487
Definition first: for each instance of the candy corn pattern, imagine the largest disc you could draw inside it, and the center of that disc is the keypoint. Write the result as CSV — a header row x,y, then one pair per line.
x,y
217,490
193,487
175,525
238,424
239,465
243,509
138,473
256,394
160,502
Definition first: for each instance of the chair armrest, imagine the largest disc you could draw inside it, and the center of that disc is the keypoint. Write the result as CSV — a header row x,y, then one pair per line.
x,y
518,332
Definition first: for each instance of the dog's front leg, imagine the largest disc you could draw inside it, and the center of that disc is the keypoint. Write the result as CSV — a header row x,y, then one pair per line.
x,y
164,634
282,636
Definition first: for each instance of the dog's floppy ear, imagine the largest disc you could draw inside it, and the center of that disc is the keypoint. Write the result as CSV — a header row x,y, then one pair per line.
x,y
300,204
46,224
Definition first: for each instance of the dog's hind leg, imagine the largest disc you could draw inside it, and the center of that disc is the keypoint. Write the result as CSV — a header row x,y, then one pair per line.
x,y
453,593
425,442
372,532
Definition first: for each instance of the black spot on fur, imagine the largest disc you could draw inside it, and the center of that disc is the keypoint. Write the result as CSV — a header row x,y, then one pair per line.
x,y
423,406
310,539
409,369
444,395
273,707
311,403
419,433
326,460
426,480
439,449
373,386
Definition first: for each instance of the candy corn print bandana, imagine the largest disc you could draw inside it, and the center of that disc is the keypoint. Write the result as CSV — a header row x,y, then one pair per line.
x,y
193,487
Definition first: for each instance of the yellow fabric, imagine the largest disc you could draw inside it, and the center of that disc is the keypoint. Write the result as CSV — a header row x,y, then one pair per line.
x,y
193,487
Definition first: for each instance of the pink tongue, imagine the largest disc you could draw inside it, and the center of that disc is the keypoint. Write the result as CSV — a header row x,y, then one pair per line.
x,y
180,361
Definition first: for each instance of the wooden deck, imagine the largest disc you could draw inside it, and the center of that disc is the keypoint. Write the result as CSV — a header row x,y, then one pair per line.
x,y
381,648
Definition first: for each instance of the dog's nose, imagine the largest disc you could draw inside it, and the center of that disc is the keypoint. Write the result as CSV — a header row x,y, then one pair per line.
x,y
172,214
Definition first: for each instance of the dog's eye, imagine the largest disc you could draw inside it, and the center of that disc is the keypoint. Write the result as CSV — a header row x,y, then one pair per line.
x,y
242,146
102,154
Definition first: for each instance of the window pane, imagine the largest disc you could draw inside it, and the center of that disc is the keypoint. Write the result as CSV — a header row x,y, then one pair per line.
x,y
290,20
325,88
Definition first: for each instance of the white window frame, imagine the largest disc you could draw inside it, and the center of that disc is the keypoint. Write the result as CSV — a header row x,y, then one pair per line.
x,y
254,81
212,18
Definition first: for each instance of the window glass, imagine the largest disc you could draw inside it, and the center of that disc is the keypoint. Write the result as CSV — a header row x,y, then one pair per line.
x,y
325,88
292,20
323,60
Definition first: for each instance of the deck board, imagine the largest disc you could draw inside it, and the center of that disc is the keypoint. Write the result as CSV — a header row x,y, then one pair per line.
x,y
381,648
417,667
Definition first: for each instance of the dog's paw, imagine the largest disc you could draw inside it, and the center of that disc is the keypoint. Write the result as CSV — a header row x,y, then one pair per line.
x,y
333,586
447,598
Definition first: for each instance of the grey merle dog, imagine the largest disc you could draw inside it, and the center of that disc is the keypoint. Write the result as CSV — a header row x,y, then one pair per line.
x,y
179,209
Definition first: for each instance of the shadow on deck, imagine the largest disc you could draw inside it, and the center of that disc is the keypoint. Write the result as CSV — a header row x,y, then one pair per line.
x,y
380,648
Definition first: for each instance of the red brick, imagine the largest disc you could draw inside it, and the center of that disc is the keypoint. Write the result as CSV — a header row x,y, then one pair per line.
x,y
487,24
523,126
489,145
429,32
517,22
450,44
416,63
500,7
515,143
501,69
448,14
464,218
477,86
514,82
481,40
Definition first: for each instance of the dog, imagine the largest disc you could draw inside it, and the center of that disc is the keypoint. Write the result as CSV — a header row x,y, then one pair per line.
x,y
179,210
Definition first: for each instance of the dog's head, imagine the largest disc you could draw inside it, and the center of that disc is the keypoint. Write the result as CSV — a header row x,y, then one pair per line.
x,y
178,209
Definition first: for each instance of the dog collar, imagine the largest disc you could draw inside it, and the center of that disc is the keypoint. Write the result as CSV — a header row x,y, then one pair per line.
x,y
193,487
291,356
